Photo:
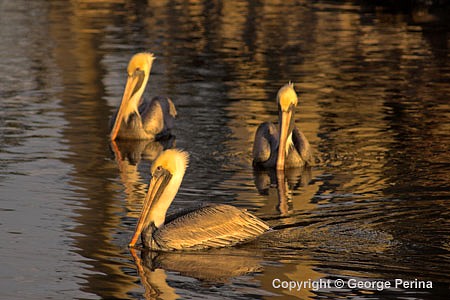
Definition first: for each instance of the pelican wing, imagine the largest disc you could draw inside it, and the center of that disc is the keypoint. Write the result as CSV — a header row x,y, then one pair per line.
x,y
212,226
302,146
158,116
265,144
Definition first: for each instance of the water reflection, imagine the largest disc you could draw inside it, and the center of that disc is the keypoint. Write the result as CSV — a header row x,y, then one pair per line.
x,y
278,186
302,269
133,159
178,273
373,87
211,268
131,152
98,208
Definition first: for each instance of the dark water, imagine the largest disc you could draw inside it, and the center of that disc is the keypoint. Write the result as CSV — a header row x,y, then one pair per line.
x,y
374,88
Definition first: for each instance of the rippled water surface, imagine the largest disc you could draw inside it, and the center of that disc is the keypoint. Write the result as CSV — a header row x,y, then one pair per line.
x,y
373,84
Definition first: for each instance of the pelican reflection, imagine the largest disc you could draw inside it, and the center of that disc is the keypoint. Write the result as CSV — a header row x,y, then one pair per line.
x,y
132,158
279,186
213,265
133,151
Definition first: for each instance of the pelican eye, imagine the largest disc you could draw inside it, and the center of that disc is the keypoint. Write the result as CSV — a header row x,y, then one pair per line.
x,y
158,171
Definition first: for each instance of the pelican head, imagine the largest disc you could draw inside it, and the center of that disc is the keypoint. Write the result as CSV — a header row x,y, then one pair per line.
x,y
138,73
167,173
287,101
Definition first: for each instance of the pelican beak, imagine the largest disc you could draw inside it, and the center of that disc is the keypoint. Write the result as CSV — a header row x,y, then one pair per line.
x,y
286,127
134,84
158,183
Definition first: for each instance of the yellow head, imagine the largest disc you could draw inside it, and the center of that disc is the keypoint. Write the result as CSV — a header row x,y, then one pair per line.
x,y
140,62
175,161
287,97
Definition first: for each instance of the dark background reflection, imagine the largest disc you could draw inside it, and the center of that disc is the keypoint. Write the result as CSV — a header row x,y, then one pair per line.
x,y
373,83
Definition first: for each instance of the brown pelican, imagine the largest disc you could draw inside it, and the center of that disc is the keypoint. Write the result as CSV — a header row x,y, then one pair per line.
x,y
284,146
136,118
208,226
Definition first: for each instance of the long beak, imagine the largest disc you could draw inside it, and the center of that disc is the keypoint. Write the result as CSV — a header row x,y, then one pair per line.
x,y
285,122
157,185
134,83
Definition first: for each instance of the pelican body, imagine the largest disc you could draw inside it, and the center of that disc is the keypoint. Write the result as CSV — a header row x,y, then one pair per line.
x,y
282,146
136,118
207,226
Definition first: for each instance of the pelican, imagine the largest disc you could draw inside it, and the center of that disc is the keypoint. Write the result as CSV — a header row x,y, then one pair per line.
x,y
207,226
137,119
284,146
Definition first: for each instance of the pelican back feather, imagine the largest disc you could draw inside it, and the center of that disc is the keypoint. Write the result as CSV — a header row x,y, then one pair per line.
x,y
158,116
211,226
